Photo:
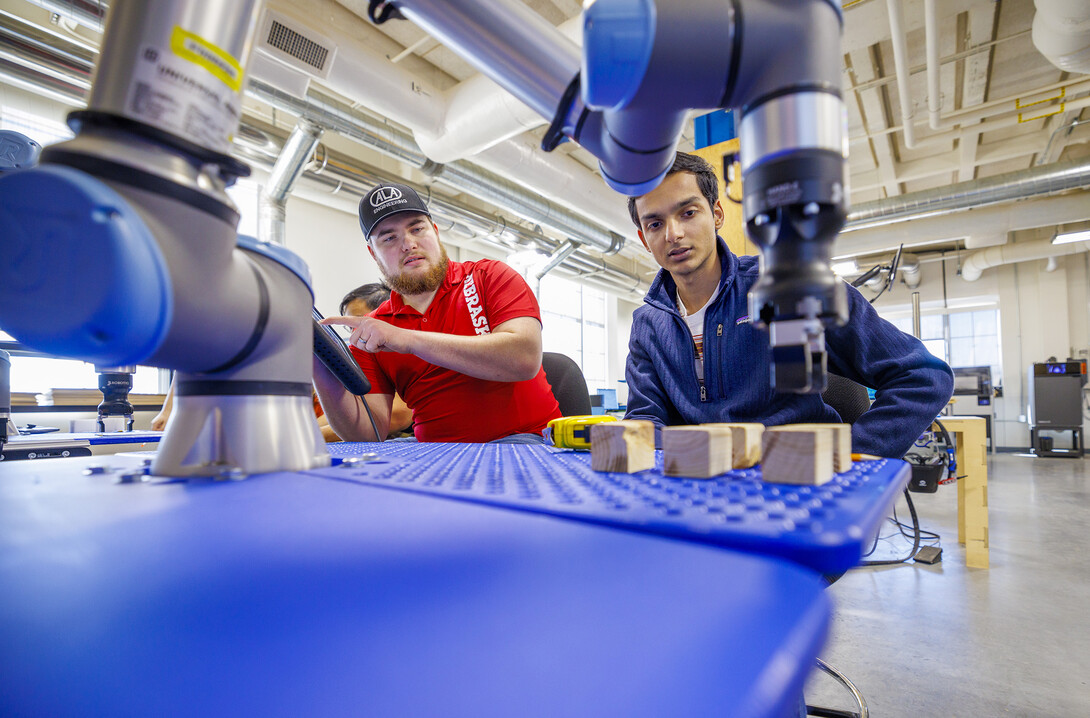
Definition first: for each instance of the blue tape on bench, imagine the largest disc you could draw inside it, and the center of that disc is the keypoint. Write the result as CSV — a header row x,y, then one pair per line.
x,y
822,527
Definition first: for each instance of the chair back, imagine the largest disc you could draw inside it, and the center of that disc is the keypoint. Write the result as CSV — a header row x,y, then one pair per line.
x,y
846,396
569,386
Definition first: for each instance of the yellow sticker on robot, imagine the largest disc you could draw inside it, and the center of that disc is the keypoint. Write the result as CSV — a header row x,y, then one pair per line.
x,y
199,51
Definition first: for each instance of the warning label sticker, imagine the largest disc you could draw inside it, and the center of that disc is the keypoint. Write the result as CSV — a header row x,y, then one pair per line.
x,y
190,89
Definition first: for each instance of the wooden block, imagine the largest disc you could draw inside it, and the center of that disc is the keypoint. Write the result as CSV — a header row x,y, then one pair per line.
x,y
797,454
745,443
625,446
842,446
697,451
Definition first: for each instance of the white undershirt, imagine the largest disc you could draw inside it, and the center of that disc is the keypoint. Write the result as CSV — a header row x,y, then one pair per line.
x,y
695,322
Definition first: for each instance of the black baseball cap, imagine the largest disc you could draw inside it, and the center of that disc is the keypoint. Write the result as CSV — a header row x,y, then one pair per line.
x,y
385,200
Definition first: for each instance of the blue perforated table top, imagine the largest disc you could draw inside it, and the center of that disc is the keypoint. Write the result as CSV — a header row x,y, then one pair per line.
x,y
822,527
295,595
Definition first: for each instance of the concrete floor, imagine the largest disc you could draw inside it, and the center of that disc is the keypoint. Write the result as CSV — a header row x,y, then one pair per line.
x,y
944,640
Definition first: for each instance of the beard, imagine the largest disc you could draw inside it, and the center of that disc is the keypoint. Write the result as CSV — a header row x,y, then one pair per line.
x,y
406,284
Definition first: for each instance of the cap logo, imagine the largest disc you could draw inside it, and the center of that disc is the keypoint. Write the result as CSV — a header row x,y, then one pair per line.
x,y
384,195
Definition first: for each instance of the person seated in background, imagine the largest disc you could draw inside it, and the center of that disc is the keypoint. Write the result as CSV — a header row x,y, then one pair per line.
x,y
360,302
695,356
460,341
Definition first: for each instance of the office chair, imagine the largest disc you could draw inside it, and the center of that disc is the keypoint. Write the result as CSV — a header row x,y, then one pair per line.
x,y
569,386
846,396
850,400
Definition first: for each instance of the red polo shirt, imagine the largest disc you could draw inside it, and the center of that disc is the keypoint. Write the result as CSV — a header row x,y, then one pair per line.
x,y
447,405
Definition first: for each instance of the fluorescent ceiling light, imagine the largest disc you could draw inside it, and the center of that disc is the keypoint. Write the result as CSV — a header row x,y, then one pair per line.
x,y
1069,237
845,268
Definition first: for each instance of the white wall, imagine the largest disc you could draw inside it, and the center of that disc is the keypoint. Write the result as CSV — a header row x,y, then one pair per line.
x,y
332,245
1041,314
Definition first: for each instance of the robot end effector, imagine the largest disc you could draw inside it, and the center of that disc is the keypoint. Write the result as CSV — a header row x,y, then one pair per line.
x,y
707,53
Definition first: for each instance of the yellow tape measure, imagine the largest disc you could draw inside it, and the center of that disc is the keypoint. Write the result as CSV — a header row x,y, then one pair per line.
x,y
573,432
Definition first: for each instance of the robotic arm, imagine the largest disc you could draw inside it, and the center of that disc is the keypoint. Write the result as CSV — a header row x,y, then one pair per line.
x,y
644,65
121,249
137,199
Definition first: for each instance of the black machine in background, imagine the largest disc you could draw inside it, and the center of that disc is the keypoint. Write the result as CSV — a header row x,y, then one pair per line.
x,y
1055,404
974,395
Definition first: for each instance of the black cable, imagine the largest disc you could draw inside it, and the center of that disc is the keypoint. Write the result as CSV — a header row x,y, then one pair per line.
x,y
915,542
924,533
951,455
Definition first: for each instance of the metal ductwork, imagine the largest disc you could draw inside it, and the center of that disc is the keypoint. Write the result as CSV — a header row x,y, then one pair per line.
x,y
339,117
1036,182
272,210
975,264
462,176
89,13
1061,32
255,145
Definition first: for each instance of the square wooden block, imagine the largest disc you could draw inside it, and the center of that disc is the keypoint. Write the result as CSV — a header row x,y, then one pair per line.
x,y
842,446
797,454
697,451
624,446
745,443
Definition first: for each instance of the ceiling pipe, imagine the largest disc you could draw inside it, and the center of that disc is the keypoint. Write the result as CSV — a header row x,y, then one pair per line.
x,y
21,41
975,264
559,255
379,136
254,145
931,42
996,114
1061,32
475,117
996,222
463,176
89,13
289,165
387,88
338,175
901,68
948,163
974,194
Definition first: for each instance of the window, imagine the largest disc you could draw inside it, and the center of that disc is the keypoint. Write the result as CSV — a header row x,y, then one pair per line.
x,y
573,319
43,130
36,374
965,338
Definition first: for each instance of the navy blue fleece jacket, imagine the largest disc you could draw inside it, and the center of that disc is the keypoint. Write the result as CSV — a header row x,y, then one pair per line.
x,y
911,385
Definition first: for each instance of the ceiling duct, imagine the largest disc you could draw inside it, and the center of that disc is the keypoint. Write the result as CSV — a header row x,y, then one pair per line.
x,y
256,146
89,13
462,176
975,264
1061,32
1036,182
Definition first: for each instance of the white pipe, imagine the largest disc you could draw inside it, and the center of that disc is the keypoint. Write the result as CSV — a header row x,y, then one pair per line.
x,y
977,262
931,37
478,113
900,64
1013,109
996,220
554,180
1061,32
482,109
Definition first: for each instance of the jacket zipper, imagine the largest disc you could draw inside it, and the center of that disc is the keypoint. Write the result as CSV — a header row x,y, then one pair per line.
x,y
703,389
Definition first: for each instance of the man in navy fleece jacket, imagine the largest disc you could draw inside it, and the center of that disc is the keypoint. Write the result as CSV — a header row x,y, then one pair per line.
x,y
695,357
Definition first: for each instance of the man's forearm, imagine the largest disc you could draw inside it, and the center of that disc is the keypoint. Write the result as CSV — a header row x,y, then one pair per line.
x,y
346,412
499,356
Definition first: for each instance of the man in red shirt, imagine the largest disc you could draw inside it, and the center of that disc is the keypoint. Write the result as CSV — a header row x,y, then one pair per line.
x,y
459,341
